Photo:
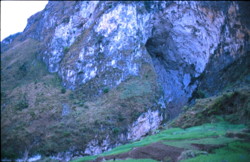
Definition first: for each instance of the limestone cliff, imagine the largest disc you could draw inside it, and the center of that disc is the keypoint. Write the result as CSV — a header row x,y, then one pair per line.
x,y
135,64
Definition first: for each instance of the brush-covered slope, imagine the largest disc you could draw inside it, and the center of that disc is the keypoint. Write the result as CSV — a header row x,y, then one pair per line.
x,y
208,142
40,116
204,132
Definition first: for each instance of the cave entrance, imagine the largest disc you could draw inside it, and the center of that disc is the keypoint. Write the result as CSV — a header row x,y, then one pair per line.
x,y
169,74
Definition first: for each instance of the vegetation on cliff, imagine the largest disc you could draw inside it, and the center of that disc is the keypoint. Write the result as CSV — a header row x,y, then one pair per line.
x,y
87,76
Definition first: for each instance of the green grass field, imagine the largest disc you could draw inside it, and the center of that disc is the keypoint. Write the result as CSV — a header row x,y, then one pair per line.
x,y
205,134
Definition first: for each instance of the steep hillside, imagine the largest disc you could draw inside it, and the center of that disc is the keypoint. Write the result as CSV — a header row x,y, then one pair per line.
x,y
85,77
223,142
201,133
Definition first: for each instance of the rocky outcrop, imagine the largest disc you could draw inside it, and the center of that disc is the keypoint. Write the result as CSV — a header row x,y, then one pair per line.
x,y
147,122
229,65
180,47
5,44
106,43
95,148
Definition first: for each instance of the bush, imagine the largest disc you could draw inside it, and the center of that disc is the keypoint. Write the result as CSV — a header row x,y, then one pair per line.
x,y
23,70
66,20
9,153
120,117
66,134
116,131
199,94
22,104
66,50
32,114
63,90
105,90
81,104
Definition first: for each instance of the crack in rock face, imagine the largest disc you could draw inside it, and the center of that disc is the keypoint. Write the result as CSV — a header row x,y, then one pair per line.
x,y
180,47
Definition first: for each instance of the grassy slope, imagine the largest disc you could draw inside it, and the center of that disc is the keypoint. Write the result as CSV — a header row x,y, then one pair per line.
x,y
233,106
206,122
32,101
134,160
183,138
25,86
235,151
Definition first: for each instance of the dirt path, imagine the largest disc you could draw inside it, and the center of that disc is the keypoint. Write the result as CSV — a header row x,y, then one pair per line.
x,y
156,151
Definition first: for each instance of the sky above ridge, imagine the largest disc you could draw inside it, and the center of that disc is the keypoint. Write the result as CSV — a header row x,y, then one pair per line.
x,y
14,15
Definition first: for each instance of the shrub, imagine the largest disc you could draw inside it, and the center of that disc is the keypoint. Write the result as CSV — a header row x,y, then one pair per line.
x,y
116,131
81,104
105,90
66,50
23,70
66,134
32,114
66,20
22,104
199,94
120,117
63,90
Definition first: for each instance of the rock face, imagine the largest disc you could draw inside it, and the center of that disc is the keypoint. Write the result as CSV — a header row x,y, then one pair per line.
x,y
94,148
229,65
146,122
180,46
106,43
103,44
